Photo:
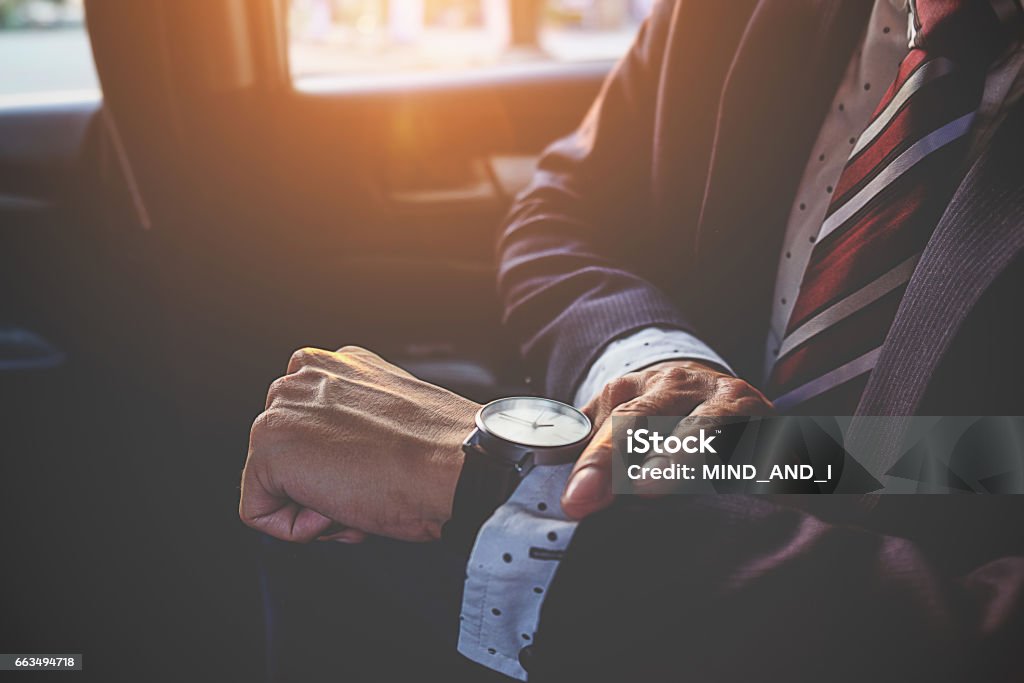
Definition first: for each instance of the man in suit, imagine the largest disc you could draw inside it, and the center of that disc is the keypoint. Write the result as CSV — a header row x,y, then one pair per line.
x,y
818,203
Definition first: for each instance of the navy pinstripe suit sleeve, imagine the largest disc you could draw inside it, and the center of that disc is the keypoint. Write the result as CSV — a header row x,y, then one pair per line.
x,y
572,273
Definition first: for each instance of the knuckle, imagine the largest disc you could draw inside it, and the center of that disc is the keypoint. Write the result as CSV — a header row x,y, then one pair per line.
x,y
267,422
752,405
746,406
677,373
676,380
278,386
731,387
306,373
617,390
650,377
351,349
641,405
293,383
304,357
617,385
262,424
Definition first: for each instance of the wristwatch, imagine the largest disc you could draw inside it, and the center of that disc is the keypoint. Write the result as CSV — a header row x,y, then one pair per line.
x,y
512,436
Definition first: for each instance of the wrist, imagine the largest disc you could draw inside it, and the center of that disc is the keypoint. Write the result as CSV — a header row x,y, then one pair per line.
x,y
483,486
447,461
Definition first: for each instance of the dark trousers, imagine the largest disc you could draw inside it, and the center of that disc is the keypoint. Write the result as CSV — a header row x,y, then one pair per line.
x,y
380,611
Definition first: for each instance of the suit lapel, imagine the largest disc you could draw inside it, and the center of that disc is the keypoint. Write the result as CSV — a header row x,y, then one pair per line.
x,y
981,233
784,75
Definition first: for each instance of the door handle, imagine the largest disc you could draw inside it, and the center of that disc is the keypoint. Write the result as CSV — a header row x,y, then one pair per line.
x,y
440,182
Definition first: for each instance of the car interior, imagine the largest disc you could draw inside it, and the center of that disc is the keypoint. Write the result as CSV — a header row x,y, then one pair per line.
x,y
166,247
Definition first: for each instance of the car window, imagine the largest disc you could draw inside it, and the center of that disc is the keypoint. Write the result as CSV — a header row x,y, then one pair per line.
x,y
45,52
368,37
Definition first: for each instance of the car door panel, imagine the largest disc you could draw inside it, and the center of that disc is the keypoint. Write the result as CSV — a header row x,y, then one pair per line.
x,y
178,242
366,212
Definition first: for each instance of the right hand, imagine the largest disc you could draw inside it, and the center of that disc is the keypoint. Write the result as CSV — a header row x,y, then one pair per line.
x,y
351,445
670,388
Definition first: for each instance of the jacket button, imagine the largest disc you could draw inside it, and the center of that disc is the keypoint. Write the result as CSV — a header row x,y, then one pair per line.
x,y
526,658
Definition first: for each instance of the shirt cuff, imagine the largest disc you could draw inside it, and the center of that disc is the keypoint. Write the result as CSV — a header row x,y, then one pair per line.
x,y
648,346
514,559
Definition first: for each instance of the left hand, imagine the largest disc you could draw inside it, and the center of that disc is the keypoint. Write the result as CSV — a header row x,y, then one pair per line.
x,y
351,445
676,387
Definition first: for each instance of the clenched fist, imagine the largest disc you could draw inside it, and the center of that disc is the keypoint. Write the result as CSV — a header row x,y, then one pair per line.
x,y
351,445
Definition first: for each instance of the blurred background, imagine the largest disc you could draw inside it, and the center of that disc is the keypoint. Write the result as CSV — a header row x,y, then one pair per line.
x,y
353,36
253,176
44,47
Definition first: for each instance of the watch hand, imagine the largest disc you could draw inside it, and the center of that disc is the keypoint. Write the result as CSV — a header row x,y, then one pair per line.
x,y
523,421
540,416
516,419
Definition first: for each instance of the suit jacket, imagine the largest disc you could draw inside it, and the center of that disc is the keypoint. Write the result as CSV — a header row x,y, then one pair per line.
x,y
668,207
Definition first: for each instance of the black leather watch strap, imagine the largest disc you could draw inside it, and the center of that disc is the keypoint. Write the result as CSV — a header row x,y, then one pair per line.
x,y
484,484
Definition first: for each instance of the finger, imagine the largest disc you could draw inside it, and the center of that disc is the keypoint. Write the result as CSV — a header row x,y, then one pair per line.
x,y
612,395
293,387
751,405
633,415
666,402
266,507
589,488
345,536
687,430
289,521
331,530
649,487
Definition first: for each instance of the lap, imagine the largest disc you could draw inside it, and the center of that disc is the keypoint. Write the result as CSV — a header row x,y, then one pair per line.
x,y
381,610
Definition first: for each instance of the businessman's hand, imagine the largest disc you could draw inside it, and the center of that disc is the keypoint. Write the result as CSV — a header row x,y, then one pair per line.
x,y
670,388
351,445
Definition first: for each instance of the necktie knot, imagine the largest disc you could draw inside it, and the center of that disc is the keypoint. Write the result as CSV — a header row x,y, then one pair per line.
x,y
971,32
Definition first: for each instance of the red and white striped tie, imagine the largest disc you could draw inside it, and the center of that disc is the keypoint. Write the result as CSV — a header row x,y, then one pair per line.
x,y
900,176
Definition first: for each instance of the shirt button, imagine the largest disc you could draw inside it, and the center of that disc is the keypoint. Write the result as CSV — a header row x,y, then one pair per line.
x,y
526,658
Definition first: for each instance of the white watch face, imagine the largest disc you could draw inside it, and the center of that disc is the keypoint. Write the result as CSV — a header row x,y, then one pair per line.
x,y
536,422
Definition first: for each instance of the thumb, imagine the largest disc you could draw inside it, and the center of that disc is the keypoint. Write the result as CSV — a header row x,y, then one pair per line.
x,y
291,522
269,509
344,535
589,488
